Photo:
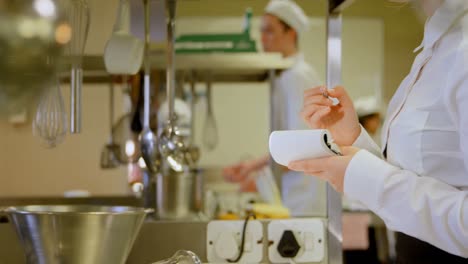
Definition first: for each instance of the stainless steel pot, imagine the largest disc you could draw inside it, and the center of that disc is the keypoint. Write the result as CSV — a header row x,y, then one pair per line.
x,y
76,234
179,195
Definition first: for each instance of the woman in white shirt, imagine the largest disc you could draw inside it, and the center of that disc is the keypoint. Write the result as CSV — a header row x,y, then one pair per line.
x,y
418,181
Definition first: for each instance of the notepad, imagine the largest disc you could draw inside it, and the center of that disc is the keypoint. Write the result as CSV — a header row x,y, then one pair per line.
x,y
292,145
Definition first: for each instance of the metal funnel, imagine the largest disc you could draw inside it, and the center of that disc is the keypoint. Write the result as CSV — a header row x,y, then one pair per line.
x,y
76,234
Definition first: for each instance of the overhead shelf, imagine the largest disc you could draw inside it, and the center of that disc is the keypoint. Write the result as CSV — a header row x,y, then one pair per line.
x,y
224,67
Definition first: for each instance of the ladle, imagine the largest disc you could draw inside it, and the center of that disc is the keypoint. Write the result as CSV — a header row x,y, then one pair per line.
x,y
148,138
171,144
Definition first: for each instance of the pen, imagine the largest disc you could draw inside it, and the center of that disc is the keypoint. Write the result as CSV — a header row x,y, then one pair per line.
x,y
325,94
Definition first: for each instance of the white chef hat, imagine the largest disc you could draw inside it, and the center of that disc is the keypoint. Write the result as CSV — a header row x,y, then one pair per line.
x,y
366,106
290,13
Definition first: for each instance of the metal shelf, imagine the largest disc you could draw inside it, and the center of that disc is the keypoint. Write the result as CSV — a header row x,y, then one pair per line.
x,y
224,67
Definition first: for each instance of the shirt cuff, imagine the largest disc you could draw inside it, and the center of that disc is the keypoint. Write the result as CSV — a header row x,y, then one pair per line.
x,y
365,141
365,177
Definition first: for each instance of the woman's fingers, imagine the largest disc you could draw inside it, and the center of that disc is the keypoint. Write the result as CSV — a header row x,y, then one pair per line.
x,y
310,110
312,165
317,100
340,93
313,114
314,91
337,91
318,116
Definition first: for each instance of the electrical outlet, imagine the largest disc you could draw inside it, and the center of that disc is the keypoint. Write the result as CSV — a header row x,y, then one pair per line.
x,y
224,241
299,240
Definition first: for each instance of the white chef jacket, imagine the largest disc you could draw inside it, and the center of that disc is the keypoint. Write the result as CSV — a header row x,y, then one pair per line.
x,y
302,194
422,187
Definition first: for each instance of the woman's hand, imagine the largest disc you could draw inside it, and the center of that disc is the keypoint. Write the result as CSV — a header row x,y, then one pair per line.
x,y
340,119
331,169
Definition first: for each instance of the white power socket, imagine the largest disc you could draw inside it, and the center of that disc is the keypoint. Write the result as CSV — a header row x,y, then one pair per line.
x,y
309,234
223,241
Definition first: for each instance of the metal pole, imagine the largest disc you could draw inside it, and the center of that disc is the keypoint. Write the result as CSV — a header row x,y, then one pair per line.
x,y
334,207
75,99
147,68
170,73
112,106
274,167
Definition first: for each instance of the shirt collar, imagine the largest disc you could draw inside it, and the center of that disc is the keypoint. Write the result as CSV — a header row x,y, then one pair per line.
x,y
442,21
295,58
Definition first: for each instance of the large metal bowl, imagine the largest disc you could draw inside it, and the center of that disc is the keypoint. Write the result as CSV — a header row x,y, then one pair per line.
x,y
77,234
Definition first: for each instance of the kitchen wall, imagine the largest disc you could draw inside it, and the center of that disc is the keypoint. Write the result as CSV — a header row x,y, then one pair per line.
x,y
403,27
28,169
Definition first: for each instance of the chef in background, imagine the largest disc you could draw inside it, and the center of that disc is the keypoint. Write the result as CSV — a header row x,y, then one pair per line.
x,y
283,23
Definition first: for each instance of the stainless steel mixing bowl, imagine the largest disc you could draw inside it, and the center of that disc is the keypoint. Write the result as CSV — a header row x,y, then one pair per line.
x,y
77,234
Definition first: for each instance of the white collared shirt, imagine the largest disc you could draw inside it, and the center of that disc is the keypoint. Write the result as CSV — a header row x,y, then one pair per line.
x,y
302,194
422,187
288,94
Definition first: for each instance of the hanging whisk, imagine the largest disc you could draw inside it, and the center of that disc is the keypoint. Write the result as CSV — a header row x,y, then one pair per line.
x,y
50,122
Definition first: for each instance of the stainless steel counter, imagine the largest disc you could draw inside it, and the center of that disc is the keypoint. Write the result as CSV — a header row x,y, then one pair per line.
x,y
156,241
10,249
